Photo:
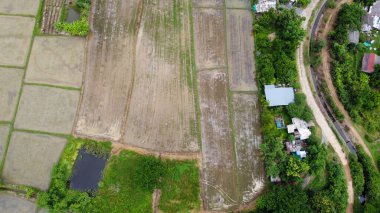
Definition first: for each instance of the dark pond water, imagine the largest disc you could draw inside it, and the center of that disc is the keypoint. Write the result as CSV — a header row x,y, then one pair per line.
x,y
72,15
87,172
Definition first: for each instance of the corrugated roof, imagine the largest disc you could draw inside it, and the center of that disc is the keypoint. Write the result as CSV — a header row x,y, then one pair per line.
x,y
368,62
279,96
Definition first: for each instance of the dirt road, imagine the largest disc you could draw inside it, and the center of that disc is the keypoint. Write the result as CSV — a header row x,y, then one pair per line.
x,y
320,119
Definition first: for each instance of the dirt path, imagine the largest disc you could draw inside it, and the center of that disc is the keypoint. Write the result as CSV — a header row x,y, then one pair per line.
x,y
326,68
320,119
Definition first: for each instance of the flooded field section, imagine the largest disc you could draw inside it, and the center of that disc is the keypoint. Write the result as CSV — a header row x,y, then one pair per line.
x,y
161,113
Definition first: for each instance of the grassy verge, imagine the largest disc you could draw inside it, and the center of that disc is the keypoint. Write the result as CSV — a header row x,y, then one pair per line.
x,y
128,183
39,16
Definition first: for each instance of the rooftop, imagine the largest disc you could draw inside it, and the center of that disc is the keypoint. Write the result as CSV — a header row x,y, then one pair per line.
x,y
279,96
369,61
300,129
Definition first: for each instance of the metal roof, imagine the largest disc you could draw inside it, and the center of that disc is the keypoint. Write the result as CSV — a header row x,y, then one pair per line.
x,y
279,96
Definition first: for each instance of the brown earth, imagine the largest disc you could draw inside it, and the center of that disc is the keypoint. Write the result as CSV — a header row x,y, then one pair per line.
x,y
242,73
161,113
110,69
219,164
210,46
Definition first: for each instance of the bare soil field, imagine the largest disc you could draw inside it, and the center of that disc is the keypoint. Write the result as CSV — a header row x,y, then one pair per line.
x,y
15,36
19,7
161,115
219,164
241,65
109,72
241,4
10,203
208,3
4,131
47,109
56,60
210,45
10,84
30,159
250,165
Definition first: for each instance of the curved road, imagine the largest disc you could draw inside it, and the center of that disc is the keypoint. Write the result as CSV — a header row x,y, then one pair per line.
x,y
327,132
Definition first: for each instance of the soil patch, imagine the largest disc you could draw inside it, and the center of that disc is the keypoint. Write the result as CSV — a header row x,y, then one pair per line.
x,y
88,170
10,84
10,203
210,45
47,109
15,36
164,120
4,131
250,166
23,7
56,60
241,64
30,159
219,164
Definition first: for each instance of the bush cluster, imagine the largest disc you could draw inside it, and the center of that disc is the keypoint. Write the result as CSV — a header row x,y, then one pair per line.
x,y
80,27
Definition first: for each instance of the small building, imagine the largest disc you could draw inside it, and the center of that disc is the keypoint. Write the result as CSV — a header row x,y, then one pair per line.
x,y
299,128
372,19
301,154
275,179
353,36
369,61
279,96
264,6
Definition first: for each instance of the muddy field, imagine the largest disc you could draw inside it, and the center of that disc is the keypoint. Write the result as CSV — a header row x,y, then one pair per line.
x,y
161,114
4,131
56,60
110,68
219,166
10,203
47,109
30,159
250,165
15,36
241,4
19,7
210,45
10,84
139,88
240,50
208,3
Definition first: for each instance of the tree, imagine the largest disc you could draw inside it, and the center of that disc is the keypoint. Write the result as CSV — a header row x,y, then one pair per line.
x,y
300,109
284,199
295,168
357,174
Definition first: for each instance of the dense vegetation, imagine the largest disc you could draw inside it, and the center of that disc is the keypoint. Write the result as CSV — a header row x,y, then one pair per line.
x,y
371,182
128,183
278,35
353,86
79,27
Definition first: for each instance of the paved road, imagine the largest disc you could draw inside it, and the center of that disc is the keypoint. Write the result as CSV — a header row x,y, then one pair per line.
x,y
320,119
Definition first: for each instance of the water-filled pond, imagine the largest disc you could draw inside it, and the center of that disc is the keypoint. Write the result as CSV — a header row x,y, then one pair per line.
x,y
88,171
72,15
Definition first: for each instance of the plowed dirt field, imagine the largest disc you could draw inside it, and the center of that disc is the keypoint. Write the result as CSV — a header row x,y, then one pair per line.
x,y
178,77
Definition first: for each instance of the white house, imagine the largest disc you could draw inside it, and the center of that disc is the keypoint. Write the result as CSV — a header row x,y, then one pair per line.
x,y
299,128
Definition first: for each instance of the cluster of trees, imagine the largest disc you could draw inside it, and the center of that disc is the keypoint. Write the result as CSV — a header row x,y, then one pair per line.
x,y
300,109
80,27
278,35
371,181
292,198
315,52
353,86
